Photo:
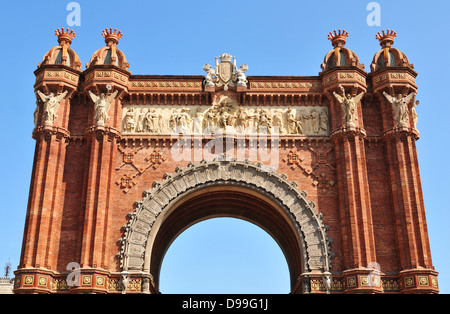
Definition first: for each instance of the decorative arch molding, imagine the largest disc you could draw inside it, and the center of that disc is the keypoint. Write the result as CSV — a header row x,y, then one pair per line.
x,y
139,233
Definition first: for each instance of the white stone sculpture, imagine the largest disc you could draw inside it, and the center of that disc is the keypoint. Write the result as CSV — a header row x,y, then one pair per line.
x,y
141,121
294,124
240,74
349,105
400,107
225,73
277,120
198,121
102,104
265,122
241,120
129,122
225,115
327,282
51,105
183,121
209,80
210,121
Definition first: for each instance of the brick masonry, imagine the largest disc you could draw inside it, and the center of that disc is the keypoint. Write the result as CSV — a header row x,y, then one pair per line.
x,y
364,178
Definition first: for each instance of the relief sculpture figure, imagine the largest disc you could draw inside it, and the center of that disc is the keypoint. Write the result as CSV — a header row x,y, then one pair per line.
x,y
295,126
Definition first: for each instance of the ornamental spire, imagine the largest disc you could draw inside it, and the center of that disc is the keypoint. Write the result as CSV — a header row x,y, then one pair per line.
x,y
111,36
64,36
338,38
386,38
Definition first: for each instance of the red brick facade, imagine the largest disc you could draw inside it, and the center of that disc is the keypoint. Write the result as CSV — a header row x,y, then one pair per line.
x,y
363,176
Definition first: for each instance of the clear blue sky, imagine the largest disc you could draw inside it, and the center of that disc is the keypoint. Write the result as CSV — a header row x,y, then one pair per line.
x,y
179,37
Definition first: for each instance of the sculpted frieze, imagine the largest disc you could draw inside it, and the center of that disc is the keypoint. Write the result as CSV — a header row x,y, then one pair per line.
x,y
225,116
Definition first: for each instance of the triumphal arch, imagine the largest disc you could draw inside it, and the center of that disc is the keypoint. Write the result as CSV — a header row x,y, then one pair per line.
x,y
326,164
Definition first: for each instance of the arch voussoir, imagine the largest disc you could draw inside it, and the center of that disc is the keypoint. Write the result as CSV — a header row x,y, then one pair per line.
x,y
308,222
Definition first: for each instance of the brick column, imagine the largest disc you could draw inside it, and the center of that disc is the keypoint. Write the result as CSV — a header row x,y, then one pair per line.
x,y
100,173
358,241
46,201
98,188
414,254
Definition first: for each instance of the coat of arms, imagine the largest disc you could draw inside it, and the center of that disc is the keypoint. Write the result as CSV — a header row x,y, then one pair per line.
x,y
226,73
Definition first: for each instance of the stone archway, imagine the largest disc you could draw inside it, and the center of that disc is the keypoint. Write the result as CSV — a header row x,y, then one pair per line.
x,y
226,188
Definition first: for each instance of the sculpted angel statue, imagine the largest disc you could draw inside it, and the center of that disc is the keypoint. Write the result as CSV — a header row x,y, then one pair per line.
x,y
51,105
349,104
400,107
102,106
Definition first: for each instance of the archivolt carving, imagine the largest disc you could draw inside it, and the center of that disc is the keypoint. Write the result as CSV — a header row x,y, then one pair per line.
x,y
316,251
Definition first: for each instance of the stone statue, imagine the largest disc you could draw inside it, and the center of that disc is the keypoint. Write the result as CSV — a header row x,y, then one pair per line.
x,y
240,74
277,120
265,122
183,121
323,121
400,107
210,73
252,116
294,125
312,118
152,121
224,118
51,105
140,121
173,120
327,281
102,104
129,122
210,120
349,104
241,120
124,280
198,122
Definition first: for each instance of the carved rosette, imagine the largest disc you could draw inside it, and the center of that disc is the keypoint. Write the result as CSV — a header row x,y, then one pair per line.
x,y
309,221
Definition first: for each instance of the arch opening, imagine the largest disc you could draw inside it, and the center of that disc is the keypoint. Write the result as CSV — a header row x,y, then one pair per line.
x,y
224,256
226,200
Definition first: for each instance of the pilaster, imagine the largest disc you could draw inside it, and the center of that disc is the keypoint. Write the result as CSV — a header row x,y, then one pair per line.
x,y
404,175
101,139
51,133
345,87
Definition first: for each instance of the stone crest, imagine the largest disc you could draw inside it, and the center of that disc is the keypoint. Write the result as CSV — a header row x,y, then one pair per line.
x,y
226,73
